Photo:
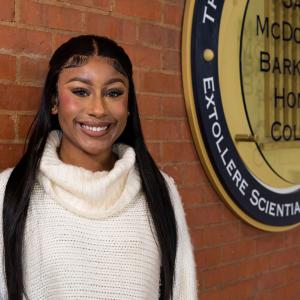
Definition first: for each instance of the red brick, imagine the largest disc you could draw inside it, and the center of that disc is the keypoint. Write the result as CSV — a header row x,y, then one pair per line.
x,y
8,67
292,273
153,35
179,152
210,257
16,97
199,277
192,195
136,80
238,250
173,39
149,105
143,57
240,291
173,15
220,234
173,107
11,153
186,131
61,38
7,127
161,130
174,171
33,69
177,2
144,9
254,266
115,28
28,41
128,31
171,61
162,83
24,125
265,295
285,257
270,242
158,36
293,237
289,292
273,279
196,237
193,174
210,295
229,215
204,215
221,275
209,194
51,16
250,231
7,11
104,5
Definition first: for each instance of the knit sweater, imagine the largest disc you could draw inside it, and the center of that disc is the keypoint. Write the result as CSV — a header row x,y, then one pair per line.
x,y
89,235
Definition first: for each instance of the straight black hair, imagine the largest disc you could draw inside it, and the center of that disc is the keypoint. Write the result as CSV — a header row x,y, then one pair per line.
x,y
20,184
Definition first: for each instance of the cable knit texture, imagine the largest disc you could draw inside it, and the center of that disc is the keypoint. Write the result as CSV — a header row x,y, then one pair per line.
x,y
89,235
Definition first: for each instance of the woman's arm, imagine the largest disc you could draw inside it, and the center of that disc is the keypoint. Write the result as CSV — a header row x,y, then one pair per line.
x,y
185,271
3,180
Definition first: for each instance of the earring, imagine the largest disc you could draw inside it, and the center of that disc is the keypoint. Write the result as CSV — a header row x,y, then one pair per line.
x,y
128,114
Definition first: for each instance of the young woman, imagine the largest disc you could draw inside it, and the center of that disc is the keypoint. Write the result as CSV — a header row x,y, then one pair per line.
x,y
86,212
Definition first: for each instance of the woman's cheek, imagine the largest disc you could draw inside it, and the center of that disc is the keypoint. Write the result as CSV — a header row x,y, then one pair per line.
x,y
68,103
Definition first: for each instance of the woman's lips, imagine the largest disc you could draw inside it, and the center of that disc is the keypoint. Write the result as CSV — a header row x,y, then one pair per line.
x,y
95,130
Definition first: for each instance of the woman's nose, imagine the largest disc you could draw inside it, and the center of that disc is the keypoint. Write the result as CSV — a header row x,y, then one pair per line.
x,y
96,106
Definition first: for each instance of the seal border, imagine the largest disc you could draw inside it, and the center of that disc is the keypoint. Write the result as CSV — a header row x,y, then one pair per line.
x,y
195,128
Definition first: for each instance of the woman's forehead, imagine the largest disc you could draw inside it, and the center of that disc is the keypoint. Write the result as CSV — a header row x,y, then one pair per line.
x,y
95,68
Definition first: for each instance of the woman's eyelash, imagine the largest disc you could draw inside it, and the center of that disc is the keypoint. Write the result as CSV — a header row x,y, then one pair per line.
x,y
114,93
81,92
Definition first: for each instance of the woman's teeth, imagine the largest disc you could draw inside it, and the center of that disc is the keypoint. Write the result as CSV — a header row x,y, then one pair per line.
x,y
94,128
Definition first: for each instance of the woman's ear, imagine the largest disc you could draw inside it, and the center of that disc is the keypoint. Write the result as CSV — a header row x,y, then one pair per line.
x,y
54,109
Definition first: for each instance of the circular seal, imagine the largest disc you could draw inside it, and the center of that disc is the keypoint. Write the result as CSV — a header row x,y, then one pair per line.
x,y
241,75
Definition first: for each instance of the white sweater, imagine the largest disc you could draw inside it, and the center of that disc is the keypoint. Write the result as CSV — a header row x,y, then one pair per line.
x,y
89,235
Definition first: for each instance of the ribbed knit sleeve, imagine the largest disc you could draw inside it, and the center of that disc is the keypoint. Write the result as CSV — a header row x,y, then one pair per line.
x,y
3,180
185,272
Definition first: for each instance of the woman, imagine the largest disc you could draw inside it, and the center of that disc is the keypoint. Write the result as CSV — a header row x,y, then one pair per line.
x,y
86,212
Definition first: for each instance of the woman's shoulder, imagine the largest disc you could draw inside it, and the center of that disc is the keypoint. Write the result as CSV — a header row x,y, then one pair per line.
x,y
173,190
4,175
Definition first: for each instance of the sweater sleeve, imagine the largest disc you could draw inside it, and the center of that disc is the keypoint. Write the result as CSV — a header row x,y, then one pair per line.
x,y
3,180
185,271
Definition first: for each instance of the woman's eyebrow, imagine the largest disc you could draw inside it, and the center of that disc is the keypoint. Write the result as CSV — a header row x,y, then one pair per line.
x,y
89,82
83,80
114,80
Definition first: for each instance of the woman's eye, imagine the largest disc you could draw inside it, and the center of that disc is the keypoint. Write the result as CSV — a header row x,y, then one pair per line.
x,y
114,93
81,92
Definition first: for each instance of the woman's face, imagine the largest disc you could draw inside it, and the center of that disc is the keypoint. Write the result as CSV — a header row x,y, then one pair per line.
x,y
92,110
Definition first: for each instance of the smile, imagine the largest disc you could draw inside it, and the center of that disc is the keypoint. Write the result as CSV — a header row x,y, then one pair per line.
x,y
94,128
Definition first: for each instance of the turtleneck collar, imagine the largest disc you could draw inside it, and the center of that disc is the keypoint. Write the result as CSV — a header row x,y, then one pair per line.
x,y
89,194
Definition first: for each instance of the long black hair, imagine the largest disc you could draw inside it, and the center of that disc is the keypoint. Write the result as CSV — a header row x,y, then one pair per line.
x,y
20,184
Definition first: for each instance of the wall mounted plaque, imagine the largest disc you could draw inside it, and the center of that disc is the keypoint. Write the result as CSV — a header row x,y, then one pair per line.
x,y
241,77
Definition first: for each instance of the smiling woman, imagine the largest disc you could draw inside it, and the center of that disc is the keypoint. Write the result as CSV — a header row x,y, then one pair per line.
x,y
86,212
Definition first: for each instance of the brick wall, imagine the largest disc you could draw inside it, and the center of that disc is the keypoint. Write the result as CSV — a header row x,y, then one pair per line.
x,y
234,261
